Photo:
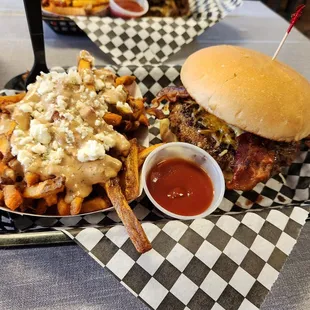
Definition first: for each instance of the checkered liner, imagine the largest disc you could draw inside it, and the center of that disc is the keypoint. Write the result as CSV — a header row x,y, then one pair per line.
x,y
225,262
152,40
273,193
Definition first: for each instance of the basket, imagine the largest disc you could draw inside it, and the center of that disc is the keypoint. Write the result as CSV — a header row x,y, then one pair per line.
x,y
63,25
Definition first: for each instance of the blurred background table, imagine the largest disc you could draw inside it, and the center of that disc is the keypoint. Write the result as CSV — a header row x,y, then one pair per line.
x,y
64,277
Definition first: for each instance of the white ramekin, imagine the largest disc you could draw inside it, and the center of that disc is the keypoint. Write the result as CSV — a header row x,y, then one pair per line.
x,y
118,11
195,154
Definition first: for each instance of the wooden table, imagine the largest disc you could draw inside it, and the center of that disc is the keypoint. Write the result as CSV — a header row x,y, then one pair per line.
x,y
67,278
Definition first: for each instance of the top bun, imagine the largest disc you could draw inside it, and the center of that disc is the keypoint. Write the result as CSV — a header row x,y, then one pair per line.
x,y
249,90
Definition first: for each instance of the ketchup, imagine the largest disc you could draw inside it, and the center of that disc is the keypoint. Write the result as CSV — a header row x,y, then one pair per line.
x,y
129,5
180,186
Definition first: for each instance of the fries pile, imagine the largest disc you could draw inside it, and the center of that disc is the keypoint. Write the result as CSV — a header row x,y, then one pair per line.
x,y
34,192
76,7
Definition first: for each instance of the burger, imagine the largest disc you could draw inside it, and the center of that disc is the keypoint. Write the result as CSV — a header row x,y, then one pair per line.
x,y
248,111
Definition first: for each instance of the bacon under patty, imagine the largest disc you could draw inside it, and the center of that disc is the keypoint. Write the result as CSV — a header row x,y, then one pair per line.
x,y
251,160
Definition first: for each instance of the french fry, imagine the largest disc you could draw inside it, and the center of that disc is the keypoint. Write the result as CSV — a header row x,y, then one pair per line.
x,y
51,200
84,68
95,204
112,119
12,197
63,208
145,153
4,146
7,126
76,205
7,175
144,120
130,177
45,188
41,207
131,223
125,80
1,197
5,100
31,178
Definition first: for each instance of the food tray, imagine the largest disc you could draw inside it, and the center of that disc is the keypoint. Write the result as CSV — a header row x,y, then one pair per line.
x,y
275,193
63,25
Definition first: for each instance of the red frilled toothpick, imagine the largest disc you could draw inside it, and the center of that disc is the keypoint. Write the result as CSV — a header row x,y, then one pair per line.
x,y
294,20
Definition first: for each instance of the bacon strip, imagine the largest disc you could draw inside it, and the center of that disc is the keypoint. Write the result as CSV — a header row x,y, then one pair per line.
x,y
171,94
253,163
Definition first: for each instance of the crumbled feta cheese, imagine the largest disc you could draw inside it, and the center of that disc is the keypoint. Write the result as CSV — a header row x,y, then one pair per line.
x,y
96,103
107,139
119,88
99,84
97,122
61,103
124,106
84,131
17,133
55,157
39,148
40,132
70,136
87,78
68,116
50,96
55,145
45,86
74,77
25,141
25,108
91,150
24,157
92,94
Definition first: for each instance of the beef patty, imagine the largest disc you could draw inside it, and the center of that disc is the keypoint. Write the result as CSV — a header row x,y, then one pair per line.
x,y
245,158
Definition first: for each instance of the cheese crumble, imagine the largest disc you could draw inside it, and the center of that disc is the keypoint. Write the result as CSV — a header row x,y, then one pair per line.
x,y
61,117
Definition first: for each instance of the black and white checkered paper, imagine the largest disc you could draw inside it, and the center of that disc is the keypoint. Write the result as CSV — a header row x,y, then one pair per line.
x,y
227,261
152,40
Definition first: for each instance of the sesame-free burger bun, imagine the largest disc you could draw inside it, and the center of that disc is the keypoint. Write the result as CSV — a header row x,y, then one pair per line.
x,y
249,90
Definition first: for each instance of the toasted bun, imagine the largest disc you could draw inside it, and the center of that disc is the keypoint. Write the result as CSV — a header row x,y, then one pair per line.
x,y
249,90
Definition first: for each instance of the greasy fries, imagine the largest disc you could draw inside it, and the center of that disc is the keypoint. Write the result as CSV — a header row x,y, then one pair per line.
x,y
130,177
31,178
12,197
125,80
95,204
77,7
112,119
51,200
41,207
145,153
6,100
125,213
45,188
76,205
63,207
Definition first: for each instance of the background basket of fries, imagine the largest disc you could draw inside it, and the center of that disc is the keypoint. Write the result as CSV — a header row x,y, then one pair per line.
x,y
55,12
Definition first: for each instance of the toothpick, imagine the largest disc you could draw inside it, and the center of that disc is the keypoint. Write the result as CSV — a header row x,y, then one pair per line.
x,y
294,19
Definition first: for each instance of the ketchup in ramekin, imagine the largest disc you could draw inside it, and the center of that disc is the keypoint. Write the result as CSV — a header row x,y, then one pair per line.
x,y
183,181
180,186
128,8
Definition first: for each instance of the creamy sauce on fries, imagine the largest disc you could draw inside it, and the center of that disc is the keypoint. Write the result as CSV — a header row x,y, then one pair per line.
x,y
60,129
